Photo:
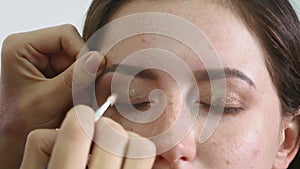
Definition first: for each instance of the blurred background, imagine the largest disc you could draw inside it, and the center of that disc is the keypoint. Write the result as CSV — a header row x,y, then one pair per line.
x,y
21,16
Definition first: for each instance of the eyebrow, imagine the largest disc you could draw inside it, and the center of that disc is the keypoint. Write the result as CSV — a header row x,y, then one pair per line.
x,y
201,75
131,70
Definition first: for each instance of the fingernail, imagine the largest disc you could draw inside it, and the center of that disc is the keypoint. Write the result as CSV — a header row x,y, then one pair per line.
x,y
92,63
85,115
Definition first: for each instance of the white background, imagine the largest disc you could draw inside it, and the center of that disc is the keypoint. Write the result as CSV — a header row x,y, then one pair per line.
x,y
26,15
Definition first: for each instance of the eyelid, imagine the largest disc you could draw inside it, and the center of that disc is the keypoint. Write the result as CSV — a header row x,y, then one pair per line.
x,y
231,98
139,98
140,106
135,100
225,109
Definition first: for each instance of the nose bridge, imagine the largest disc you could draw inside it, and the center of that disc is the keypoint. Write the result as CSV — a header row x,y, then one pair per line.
x,y
173,105
178,122
178,113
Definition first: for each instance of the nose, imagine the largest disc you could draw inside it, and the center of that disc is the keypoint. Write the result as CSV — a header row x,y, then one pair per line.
x,y
183,152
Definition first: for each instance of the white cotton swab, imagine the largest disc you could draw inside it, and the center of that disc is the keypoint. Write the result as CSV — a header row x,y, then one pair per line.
x,y
110,101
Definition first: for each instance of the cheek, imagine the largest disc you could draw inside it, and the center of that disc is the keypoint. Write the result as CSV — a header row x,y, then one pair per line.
x,y
171,115
245,141
154,128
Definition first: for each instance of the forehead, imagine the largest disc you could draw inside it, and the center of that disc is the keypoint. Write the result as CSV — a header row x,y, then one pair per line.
x,y
236,46
229,36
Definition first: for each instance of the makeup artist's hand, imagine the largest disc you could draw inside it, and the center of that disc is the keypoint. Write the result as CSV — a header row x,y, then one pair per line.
x,y
37,69
69,147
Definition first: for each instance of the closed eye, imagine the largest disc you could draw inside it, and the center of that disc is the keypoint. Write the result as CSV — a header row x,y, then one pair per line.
x,y
141,106
220,109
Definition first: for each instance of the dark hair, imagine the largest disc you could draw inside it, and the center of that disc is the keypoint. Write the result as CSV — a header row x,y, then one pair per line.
x,y
273,22
98,15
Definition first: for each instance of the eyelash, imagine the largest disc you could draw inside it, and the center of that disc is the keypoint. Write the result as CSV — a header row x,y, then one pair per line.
x,y
227,110
205,106
142,106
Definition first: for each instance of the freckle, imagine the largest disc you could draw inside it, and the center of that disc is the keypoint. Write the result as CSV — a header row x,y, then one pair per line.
x,y
130,129
215,144
228,162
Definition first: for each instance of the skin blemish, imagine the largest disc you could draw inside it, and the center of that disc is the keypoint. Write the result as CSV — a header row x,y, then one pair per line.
x,y
237,48
145,39
255,153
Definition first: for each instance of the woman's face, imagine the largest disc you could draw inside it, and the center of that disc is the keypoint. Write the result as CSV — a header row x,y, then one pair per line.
x,y
249,133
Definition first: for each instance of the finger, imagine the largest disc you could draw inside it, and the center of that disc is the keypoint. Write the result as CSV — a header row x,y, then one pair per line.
x,y
73,80
140,153
110,145
62,41
63,37
73,143
38,148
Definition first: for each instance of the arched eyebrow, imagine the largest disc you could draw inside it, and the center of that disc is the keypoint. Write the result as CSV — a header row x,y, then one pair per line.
x,y
201,75
131,71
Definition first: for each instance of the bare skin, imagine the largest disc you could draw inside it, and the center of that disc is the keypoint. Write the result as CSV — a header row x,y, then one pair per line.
x,y
255,137
36,70
70,147
37,67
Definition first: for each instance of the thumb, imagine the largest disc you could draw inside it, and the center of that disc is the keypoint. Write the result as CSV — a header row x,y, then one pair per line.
x,y
76,78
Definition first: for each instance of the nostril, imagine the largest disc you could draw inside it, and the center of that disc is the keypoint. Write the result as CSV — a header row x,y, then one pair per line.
x,y
185,152
184,159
